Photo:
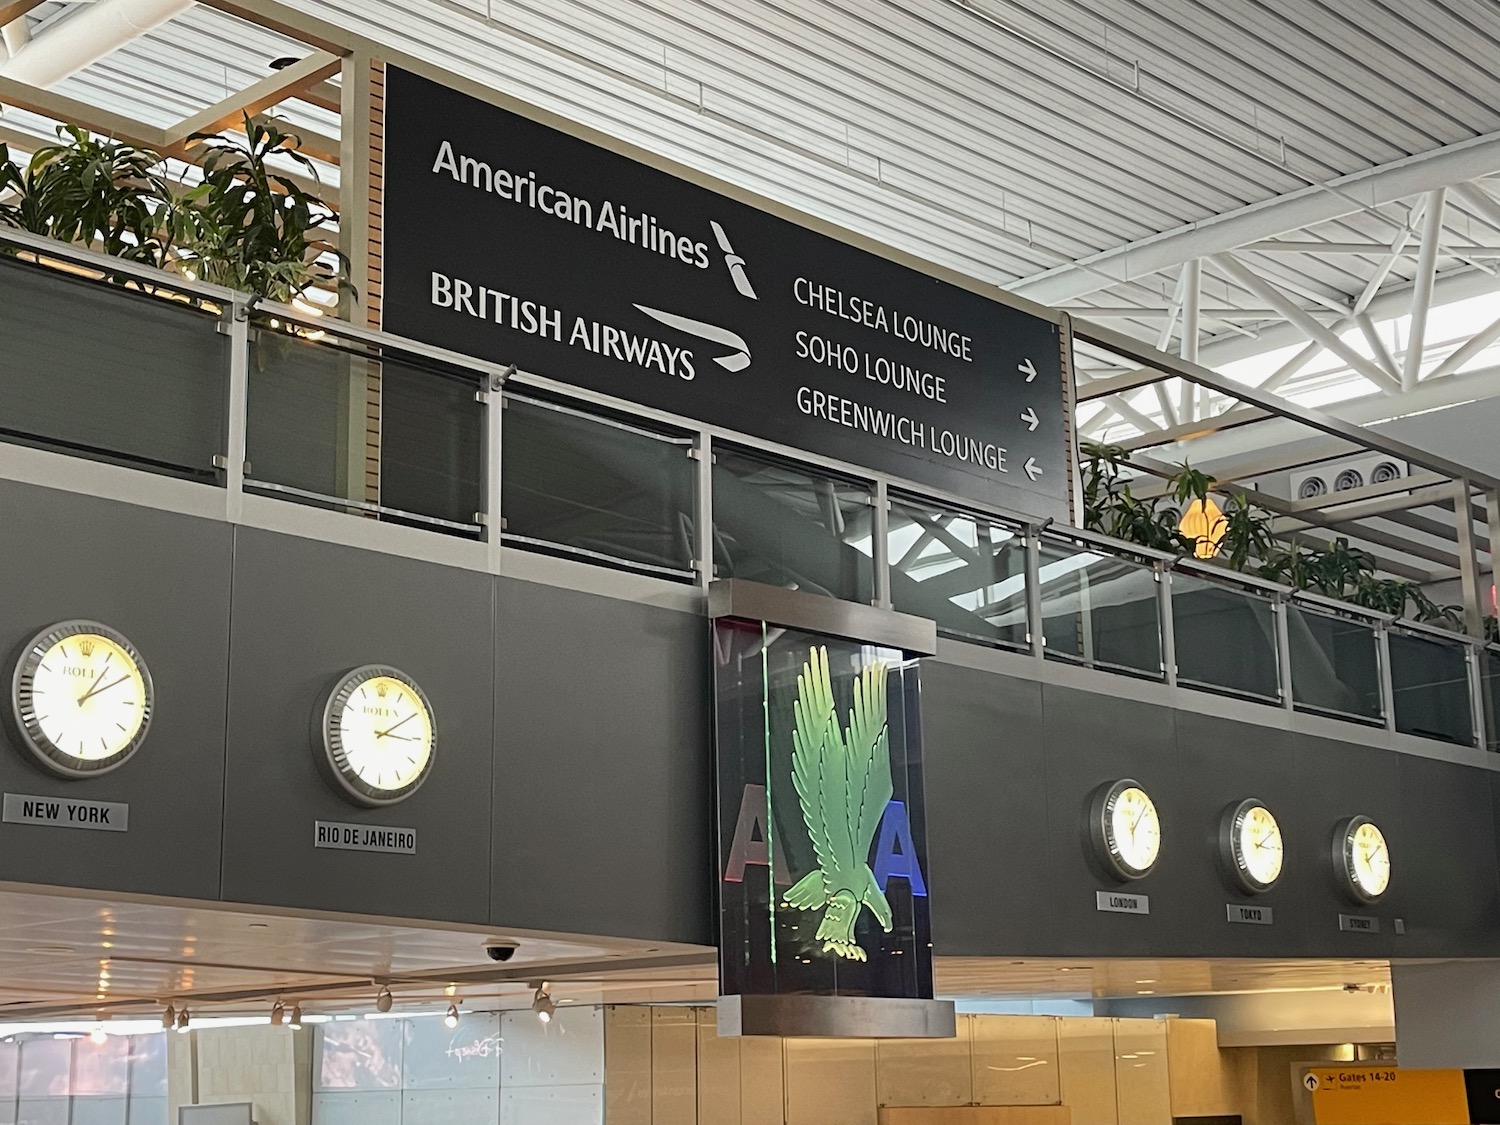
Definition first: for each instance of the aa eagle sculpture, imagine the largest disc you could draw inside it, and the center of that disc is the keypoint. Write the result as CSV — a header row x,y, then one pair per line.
x,y
843,779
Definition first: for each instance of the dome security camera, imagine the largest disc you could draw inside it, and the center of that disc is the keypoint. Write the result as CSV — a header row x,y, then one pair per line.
x,y
500,949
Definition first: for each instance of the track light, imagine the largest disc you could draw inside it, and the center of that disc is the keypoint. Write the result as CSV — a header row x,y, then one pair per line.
x,y
542,1003
278,1013
168,1018
383,1000
182,1020
451,1019
296,1020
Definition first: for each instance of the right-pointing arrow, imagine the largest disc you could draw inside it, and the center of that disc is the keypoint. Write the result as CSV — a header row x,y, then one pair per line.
x,y
1031,468
1028,369
1029,417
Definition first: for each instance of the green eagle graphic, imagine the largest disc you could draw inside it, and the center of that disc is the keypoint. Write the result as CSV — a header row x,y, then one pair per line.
x,y
844,783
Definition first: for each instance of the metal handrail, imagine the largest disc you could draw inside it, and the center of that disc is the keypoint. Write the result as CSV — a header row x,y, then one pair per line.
x,y
109,264
242,308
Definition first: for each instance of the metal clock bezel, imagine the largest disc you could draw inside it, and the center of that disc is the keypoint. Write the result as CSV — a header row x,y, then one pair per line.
x,y
329,741
1231,846
52,757
1101,830
1343,859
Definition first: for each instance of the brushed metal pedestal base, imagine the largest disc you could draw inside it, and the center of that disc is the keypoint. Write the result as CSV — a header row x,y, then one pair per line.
x,y
836,1017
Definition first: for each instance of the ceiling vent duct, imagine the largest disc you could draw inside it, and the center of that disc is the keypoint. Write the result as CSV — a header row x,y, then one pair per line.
x,y
1347,474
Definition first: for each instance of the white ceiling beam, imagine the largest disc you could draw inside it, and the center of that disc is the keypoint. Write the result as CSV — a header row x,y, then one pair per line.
x,y
1482,201
1290,368
1369,249
85,36
1271,218
1475,344
1377,345
1452,285
1163,338
1304,321
1383,271
1366,410
1421,294
1127,312
14,36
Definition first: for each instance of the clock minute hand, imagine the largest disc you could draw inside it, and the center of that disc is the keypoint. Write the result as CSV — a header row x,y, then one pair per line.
x,y
98,687
385,733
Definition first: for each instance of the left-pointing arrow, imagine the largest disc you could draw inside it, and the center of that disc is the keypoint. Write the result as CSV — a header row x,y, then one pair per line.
x,y
1031,468
1029,417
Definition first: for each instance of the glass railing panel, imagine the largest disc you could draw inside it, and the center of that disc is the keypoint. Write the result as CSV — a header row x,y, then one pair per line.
x,y
395,440
1226,638
788,525
1490,669
965,572
596,488
1099,610
1335,664
1430,677
110,373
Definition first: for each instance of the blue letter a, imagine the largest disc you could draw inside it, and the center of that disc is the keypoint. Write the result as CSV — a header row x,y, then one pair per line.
x,y
895,854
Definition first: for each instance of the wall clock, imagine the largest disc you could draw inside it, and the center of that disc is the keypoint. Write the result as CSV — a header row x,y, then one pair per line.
x,y
1125,828
1251,845
81,697
377,737
1361,858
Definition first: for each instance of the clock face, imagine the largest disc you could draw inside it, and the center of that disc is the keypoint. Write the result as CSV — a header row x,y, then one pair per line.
x,y
1127,829
379,735
1364,860
1254,845
82,698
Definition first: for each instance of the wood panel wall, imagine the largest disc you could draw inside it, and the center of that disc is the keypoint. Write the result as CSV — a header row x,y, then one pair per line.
x,y
375,218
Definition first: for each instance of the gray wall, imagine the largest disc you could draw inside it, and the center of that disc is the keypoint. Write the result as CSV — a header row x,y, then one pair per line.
x,y
1011,766
573,790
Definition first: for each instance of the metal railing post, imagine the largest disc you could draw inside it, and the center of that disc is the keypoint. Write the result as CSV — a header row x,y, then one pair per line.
x,y
880,545
1387,682
236,409
1034,634
1468,560
1165,622
490,478
1474,661
703,508
1282,609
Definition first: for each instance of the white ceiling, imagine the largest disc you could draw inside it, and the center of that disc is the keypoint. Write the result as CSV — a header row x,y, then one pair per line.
x,y
1076,151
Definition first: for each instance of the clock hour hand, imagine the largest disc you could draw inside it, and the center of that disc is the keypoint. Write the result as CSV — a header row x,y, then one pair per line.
x,y
387,732
100,686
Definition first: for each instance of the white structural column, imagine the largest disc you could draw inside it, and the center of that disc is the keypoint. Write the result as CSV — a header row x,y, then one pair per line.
x,y
1192,293
1304,321
84,37
1421,294
1192,301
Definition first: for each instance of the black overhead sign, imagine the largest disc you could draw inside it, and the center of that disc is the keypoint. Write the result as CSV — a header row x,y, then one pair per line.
x,y
520,244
